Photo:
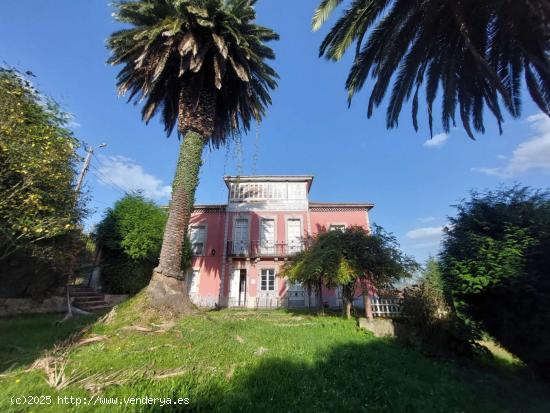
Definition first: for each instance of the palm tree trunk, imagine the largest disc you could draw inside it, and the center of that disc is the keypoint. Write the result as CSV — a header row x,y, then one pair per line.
x,y
167,287
196,115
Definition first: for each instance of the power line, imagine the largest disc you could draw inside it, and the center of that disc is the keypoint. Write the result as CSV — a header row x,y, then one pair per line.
x,y
125,191
99,175
101,202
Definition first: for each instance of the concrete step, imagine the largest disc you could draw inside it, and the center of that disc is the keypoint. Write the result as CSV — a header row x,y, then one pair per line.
x,y
92,306
82,289
84,292
89,303
86,298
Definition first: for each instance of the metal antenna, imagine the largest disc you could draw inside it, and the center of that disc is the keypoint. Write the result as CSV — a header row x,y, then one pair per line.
x,y
227,149
256,148
239,153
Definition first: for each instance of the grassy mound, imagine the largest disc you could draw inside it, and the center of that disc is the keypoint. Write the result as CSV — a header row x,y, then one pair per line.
x,y
237,360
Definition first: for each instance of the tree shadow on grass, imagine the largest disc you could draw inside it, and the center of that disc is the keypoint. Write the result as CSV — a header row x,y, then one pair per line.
x,y
378,376
24,338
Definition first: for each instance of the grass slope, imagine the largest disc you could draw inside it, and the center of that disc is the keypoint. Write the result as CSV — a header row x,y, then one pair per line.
x,y
255,361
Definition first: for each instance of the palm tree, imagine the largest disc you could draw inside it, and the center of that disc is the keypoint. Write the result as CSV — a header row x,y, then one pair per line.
x,y
477,51
200,64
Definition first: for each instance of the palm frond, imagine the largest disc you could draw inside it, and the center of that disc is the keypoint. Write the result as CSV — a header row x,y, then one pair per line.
x,y
323,12
474,52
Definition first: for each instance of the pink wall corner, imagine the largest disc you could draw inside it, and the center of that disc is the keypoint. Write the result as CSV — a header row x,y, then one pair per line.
x,y
210,264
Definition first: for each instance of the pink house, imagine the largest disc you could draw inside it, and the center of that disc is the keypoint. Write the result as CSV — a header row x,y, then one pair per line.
x,y
239,247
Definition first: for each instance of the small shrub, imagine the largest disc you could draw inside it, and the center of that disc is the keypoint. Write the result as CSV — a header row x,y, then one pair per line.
x,y
432,324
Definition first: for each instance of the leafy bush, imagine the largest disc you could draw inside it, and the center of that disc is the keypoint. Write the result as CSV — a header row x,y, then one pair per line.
x,y
432,324
131,236
123,275
496,262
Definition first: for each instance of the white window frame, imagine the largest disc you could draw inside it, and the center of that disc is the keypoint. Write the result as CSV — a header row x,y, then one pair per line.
x,y
204,238
263,249
301,244
241,249
268,292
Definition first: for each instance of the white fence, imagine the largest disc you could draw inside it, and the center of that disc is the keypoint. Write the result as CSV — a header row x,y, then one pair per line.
x,y
381,307
386,307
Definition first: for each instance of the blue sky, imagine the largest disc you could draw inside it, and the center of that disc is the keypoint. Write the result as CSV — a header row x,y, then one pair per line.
x,y
308,129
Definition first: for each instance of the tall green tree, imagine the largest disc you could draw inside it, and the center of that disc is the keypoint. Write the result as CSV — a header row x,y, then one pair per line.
x,y
350,259
495,261
38,208
37,168
478,52
200,64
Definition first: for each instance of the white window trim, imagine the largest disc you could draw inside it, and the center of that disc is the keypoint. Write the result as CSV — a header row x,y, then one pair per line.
x,y
234,222
275,223
275,283
200,224
235,218
294,217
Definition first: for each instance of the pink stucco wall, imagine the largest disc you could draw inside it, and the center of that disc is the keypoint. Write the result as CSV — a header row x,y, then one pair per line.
x,y
321,220
210,264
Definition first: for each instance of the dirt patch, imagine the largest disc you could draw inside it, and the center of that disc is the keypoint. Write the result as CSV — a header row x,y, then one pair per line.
x,y
260,351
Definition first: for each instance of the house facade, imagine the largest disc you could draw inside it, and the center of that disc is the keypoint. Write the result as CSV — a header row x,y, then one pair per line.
x,y
239,247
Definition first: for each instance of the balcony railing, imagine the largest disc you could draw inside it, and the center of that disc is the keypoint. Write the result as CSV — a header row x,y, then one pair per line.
x,y
253,249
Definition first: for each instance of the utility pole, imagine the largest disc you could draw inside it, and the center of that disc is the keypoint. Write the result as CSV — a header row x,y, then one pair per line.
x,y
86,166
72,261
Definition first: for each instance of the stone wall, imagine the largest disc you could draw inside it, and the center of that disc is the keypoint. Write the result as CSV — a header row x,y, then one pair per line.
x,y
16,306
114,299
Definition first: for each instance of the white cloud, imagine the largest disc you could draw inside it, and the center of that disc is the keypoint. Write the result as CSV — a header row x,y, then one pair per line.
x,y
125,173
437,141
426,236
425,220
534,154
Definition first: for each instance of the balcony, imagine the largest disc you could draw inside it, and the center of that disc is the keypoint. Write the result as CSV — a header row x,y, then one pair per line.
x,y
258,249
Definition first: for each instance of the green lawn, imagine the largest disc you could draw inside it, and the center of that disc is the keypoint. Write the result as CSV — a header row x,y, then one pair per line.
x,y
251,361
